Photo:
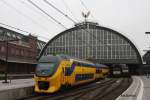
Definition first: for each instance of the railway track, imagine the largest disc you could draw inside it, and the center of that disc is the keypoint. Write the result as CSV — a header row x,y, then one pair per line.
x,y
94,91
107,92
113,92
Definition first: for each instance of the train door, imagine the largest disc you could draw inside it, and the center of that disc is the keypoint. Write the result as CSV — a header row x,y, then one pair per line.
x,y
64,73
67,72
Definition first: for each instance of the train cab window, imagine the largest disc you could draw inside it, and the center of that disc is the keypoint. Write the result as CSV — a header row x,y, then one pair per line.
x,y
45,69
98,70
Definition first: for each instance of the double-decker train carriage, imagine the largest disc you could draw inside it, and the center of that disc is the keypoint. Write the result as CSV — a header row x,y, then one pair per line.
x,y
53,72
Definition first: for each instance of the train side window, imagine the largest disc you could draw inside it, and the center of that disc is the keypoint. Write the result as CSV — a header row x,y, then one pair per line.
x,y
87,76
84,76
79,64
81,77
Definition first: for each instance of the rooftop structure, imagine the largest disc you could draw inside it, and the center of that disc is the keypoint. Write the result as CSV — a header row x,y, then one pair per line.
x,y
88,40
21,54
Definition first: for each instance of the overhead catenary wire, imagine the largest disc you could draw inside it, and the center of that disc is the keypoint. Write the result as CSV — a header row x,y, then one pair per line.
x,y
67,7
50,4
79,38
59,11
24,15
52,17
21,30
47,14
64,15
15,28
58,22
31,8
43,27
84,5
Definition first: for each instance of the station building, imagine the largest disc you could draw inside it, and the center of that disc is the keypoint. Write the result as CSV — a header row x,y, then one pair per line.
x,y
22,54
146,57
89,40
146,67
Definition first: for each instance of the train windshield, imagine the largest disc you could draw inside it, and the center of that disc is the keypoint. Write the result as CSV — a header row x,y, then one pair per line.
x,y
45,69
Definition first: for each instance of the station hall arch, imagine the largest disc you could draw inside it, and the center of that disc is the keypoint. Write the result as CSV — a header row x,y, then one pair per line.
x,y
88,40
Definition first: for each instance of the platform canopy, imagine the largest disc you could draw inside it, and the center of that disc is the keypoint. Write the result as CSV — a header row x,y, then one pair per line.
x,y
88,40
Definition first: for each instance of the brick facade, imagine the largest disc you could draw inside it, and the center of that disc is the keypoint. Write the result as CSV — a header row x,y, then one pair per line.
x,y
20,51
22,54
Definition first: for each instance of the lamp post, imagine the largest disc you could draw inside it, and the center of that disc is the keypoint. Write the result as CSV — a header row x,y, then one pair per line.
x,y
6,58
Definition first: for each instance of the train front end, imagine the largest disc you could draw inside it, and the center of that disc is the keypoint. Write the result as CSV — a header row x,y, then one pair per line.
x,y
47,76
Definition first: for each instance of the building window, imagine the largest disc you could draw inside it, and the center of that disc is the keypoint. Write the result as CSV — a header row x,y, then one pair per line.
x,y
17,52
8,34
2,49
1,31
18,37
13,35
22,52
12,51
27,53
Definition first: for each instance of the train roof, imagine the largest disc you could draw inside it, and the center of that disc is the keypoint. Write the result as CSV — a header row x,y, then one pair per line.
x,y
72,58
57,58
101,65
49,58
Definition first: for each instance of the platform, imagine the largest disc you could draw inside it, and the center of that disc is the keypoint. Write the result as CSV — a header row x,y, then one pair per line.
x,y
16,89
138,90
135,90
146,88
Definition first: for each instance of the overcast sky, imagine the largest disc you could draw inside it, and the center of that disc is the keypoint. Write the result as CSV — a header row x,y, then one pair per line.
x,y
129,17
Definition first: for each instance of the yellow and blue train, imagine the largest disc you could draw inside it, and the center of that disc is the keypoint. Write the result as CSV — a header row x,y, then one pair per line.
x,y
53,72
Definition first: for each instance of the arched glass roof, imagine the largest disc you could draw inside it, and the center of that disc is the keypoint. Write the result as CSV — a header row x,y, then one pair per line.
x,y
90,41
